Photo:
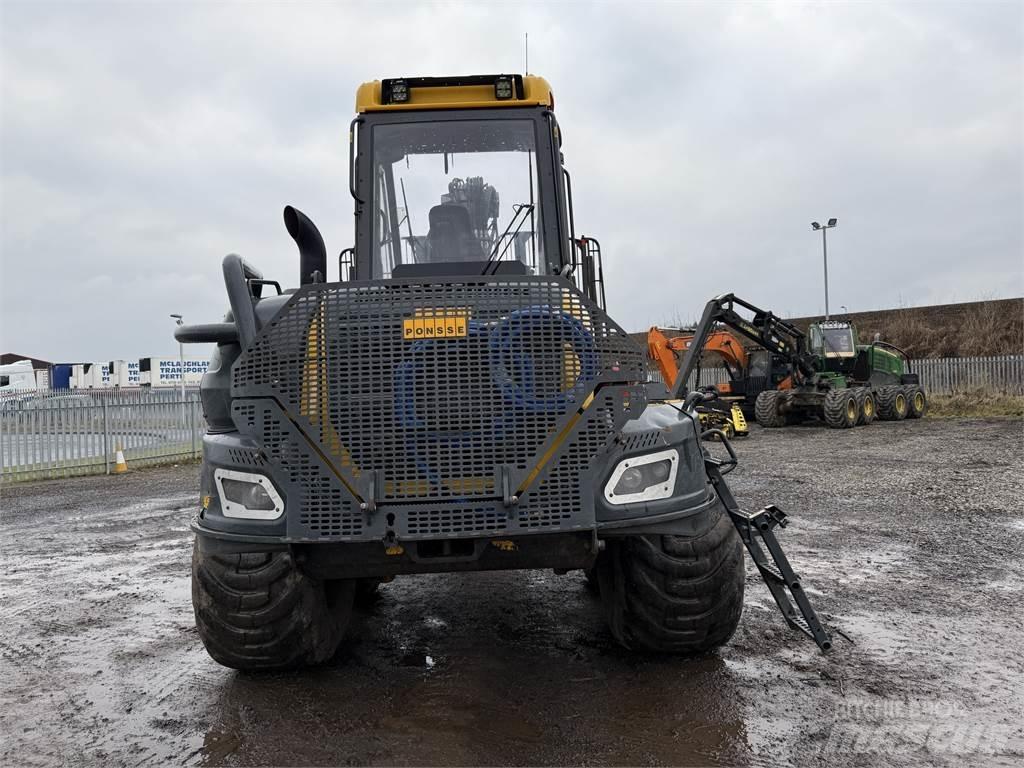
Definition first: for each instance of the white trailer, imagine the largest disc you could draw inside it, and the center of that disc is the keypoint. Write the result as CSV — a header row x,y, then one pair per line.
x,y
90,376
124,373
167,371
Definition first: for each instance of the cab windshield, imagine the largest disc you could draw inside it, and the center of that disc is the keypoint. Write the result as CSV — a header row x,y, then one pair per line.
x,y
455,191
833,341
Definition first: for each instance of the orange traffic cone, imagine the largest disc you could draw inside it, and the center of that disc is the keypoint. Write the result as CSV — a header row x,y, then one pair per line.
x,y
121,465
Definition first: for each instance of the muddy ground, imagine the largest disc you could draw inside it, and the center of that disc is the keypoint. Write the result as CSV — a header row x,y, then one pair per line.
x,y
908,536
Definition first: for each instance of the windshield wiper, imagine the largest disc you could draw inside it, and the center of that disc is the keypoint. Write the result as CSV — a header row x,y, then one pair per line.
x,y
518,208
408,219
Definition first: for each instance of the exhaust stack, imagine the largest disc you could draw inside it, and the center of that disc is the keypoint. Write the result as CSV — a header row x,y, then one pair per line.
x,y
312,251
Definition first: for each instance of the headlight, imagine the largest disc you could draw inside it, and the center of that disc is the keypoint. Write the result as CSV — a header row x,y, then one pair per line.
x,y
244,494
643,478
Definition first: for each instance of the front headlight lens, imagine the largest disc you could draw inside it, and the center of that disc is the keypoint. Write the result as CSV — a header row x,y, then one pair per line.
x,y
643,478
636,479
249,495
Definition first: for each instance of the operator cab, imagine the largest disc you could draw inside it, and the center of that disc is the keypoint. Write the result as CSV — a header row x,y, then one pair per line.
x,y
463,176
833,339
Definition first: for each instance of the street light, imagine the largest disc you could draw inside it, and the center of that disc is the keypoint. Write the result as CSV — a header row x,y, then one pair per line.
x,y
824,251
179,320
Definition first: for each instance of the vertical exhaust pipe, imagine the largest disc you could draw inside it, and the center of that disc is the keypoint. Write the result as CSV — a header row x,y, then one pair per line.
x,y
312,251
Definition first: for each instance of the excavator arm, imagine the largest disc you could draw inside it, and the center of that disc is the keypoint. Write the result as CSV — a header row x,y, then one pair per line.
x,y
764,329
663,351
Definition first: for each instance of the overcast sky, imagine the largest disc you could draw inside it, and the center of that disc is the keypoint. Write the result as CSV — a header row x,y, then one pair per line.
x,y
142,142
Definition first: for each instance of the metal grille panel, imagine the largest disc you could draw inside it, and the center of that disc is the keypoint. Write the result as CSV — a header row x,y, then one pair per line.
x,y
246,458
640,441
326,508
561,493
446,522
438,387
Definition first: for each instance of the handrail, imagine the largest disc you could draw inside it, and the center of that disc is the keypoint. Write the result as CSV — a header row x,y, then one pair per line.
x,y
352,160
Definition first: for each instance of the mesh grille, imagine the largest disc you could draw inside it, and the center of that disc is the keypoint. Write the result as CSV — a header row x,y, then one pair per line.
x,y
326,509
557,498
455,521
438,386
246,458
639,441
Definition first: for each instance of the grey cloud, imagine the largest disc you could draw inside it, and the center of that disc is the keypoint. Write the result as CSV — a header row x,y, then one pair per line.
x,y
139,143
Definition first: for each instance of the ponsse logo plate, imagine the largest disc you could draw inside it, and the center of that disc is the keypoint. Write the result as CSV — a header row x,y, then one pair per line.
x,y
435,324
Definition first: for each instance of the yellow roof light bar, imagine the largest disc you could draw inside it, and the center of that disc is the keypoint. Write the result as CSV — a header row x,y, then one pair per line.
x,y
466,92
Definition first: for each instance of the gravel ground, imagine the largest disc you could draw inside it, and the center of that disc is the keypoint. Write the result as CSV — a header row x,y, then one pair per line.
x,y
908,537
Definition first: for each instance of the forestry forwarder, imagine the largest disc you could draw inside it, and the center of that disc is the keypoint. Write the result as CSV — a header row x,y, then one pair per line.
x,y
458,400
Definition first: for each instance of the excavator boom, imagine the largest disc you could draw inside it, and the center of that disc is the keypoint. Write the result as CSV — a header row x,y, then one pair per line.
x,y
662,350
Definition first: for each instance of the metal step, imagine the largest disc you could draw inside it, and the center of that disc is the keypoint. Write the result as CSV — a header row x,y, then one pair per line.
x,y
758,534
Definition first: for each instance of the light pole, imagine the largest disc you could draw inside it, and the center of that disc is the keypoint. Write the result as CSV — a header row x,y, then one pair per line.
x,y
179,320
824,252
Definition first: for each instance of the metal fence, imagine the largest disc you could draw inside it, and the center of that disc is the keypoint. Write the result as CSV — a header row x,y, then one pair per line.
x,y
952,375
78,432
939,376
63,433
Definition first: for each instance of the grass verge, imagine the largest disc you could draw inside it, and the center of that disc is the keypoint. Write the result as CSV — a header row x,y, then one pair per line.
x,y
976,404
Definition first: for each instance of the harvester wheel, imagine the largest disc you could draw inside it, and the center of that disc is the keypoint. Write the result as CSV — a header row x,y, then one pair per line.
x,y
866,406
892,403
917,403
675,594
258,611
841,409
766,409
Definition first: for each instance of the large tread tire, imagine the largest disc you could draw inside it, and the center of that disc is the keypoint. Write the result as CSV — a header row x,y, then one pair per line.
x,y
258,611
867,406
766,409
841,409
674,594
892,403
917,402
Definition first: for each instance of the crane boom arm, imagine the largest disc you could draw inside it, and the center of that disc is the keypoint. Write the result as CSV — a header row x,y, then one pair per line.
x,y
765,329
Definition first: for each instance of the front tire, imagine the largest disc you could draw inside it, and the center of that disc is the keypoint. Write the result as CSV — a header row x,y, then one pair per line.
x,y
766,409
258,611
671,593
841,409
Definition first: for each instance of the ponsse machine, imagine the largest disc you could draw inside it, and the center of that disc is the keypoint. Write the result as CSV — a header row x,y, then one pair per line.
x,y
457,400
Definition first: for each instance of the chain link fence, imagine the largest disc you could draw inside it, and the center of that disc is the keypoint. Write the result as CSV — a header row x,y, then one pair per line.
x,y
65,433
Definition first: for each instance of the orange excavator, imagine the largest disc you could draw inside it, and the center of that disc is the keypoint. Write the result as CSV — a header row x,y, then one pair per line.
x,y
724,414
663,349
